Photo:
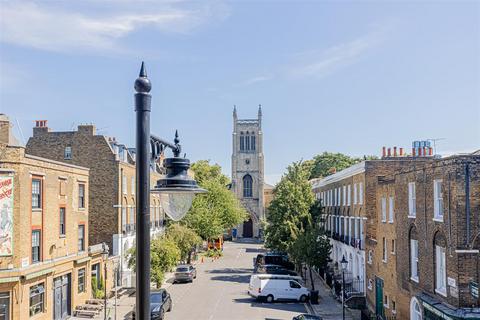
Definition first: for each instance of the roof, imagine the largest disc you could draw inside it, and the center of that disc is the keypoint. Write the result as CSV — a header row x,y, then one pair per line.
x,y
345,173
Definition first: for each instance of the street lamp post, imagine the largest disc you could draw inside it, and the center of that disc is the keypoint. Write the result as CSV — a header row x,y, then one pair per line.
x,y
105,257
344,263
176,190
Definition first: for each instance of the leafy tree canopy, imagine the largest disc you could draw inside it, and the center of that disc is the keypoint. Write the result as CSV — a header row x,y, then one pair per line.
x,y
185,239
288,214
164,255
217,210
328,163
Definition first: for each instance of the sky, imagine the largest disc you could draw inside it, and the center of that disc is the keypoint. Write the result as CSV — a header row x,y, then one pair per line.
x,y
338,76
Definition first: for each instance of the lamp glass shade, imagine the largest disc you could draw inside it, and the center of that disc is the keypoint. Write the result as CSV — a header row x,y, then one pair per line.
x,y
176,204
344,263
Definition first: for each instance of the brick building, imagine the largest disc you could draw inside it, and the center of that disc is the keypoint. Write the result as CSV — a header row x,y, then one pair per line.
x,y
44,249
353,200
438,238
112,185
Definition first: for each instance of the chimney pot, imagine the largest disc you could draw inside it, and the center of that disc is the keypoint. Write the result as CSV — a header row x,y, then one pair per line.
x,y
384,152
389,152
401,152
394,151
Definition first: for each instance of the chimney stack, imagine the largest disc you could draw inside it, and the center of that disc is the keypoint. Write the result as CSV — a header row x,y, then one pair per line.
x,y
389,152
394,151
401,152
384,152
40,128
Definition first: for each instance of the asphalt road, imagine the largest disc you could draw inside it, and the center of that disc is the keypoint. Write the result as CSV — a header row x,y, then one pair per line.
x,y
220,291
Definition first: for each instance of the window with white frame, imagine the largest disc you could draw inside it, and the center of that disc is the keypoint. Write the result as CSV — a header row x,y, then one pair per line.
x,y
414,259
394,307
384,209
384,252
356,228
438,200
360,193
385,301
412,201
132,185
67,154
124,218
393,246
440,271
37,299
344,195
390,209
354,193
370,257
349,194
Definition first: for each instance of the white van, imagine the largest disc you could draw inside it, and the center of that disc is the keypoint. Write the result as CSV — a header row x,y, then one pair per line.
x,y
277,287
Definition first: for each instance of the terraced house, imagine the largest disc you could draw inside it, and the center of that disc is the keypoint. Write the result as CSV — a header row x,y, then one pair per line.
x,y
112,186
44,258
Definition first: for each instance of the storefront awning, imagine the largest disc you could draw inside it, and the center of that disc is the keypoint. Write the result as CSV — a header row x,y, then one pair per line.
x,y
435,309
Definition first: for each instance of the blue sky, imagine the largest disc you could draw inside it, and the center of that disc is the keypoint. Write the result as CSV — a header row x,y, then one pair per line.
x,y
337,76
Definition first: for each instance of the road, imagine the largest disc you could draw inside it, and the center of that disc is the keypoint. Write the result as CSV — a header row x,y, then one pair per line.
x,y
220,291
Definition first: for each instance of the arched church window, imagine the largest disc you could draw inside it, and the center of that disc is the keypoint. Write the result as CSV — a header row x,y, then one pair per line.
x,y
252,142
242,141
247,186
247,142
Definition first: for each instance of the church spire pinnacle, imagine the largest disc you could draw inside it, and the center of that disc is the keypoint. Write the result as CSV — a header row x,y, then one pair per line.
x,y
235,111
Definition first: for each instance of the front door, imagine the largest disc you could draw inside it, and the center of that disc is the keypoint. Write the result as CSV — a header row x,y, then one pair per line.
x,y
379,311
248,228
61,297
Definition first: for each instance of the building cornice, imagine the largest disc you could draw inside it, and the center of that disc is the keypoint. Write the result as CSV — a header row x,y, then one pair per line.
x,y
345,173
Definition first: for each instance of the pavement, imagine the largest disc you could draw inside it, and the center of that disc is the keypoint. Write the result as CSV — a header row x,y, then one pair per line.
x,y
329,308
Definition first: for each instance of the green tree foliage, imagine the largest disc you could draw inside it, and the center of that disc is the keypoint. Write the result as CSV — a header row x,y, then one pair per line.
x,y
327,163
185,238
289,211
164,255
217,210
312,247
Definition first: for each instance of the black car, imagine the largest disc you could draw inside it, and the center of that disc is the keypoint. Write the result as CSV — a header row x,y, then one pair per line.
x,y
275,269
160,302
279,259
305,316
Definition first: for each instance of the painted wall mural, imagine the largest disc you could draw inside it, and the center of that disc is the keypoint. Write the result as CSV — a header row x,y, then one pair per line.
x,y
6,215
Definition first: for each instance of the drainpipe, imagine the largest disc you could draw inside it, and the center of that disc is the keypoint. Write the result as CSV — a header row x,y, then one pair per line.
x,y
467,202
425,204
449,212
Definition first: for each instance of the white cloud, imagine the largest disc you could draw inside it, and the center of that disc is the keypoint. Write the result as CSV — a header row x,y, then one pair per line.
x,y
50,28
320,63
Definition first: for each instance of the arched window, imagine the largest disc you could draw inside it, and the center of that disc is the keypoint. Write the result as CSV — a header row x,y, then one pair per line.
x,y
247,186
242,141
252,141
440,264
412,236
415,311
247,142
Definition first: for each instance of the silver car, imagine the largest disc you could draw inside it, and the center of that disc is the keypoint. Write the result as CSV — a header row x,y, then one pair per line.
x,y
185,273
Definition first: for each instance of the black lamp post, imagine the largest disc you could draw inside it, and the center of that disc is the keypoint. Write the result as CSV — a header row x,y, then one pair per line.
x,y
176,190
344,263
105,257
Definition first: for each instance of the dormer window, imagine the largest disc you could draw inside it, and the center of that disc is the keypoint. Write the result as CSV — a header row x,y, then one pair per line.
x,y
67,154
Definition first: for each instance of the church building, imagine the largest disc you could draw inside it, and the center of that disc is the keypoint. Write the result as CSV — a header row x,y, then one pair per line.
x,y
248,182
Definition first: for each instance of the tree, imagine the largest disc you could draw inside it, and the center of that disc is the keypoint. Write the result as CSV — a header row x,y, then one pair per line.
x,y
312,247
217,210
328,163
289,210
185,238
164,255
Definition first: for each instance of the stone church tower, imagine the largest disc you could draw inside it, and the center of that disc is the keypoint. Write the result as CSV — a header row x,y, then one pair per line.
x,y
247,171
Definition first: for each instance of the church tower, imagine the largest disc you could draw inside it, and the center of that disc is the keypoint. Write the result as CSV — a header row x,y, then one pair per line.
x,y
248,172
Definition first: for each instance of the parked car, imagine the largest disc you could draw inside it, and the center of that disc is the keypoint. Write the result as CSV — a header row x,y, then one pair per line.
x,y
305,316
275,269
185,273
160,302
279,259
277,287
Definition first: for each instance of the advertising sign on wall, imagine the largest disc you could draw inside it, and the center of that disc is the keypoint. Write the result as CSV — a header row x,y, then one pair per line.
x,y
6,215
